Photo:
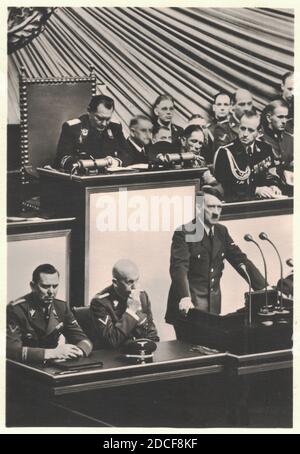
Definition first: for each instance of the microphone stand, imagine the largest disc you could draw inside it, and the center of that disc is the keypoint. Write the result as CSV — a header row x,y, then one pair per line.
x,y
265,309
281,273
264,236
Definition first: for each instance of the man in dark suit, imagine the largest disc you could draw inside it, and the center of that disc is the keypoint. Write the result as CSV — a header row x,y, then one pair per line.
x,y
163,112
121,312
139,140
38,324
92,135
198,252
245,167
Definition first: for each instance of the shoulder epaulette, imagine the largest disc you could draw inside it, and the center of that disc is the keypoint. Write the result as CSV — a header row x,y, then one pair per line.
x,y
18,301
73,122
102,295
289,134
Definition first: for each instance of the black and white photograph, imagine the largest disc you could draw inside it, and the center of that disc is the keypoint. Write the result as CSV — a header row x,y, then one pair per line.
x,y
149,217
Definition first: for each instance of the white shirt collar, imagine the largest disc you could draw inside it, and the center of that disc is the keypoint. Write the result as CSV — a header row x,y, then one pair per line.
x,y
207,229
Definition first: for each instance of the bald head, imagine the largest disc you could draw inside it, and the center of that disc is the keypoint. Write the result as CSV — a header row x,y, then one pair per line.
x,y
243,102
125,276
125,268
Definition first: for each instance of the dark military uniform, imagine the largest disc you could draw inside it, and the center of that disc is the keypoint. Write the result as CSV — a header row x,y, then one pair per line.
x,y
241,172
176,132
30,330
210,134
80,139
115,324
226,131
282,145
283,150
132,155
196,269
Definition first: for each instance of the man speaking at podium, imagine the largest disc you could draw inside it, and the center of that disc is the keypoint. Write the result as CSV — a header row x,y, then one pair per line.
x,y
196,266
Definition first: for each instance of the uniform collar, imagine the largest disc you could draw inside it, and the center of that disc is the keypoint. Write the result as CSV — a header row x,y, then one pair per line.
x,y
207,229
164,126
221,122
275,134
36,315
234,118
140,149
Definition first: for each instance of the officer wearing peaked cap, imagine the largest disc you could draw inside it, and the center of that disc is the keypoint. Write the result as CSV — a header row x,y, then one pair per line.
x,y
41,327
91,135
121,312
198,252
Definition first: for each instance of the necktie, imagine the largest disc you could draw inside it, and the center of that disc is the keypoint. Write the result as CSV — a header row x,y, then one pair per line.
x,y
211,240
211,236
249,151
47,312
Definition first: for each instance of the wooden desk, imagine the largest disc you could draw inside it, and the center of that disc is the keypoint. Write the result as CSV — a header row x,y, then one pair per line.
x,y
101,396
180,388
261,389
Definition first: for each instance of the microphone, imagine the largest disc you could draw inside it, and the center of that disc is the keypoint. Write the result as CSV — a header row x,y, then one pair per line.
x,y
242,266
290,263
263,236
250,239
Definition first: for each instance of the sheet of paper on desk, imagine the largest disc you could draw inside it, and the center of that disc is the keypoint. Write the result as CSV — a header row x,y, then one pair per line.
x,y
141,166
120,169
19,219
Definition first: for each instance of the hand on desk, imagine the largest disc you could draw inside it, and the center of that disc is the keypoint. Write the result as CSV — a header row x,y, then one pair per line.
x,y
64,351
185,304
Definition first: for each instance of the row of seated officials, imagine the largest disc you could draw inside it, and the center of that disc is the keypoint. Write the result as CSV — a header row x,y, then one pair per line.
x,y
250,154
42,328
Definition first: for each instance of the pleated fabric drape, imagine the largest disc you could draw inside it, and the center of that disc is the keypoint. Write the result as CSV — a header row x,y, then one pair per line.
x,y
139,53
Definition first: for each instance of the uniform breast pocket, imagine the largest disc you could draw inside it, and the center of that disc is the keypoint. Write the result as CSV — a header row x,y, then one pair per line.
x,y
199,257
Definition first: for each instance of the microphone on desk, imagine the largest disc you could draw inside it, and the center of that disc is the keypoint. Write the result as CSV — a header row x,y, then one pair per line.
x,y
290,263
263,236
250,239
242,266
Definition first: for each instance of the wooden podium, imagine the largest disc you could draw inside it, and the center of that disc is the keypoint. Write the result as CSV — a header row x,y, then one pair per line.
x,y
232,332
93,253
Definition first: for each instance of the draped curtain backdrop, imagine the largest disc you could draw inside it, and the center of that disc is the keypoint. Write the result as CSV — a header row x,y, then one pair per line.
x,y
139,53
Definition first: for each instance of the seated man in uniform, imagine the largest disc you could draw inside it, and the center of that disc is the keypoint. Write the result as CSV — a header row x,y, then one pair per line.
x,y
228,130
287,95
197,261
121,312
92,135
245,166
221,115
39,325
192,141
163,112
274,121
139,140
